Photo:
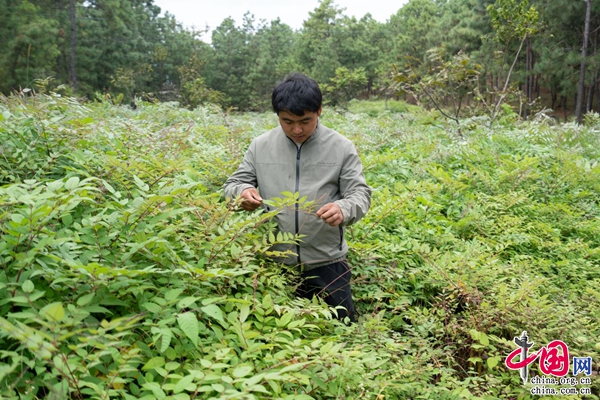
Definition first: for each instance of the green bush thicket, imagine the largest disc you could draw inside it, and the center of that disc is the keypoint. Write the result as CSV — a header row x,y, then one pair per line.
x,y
123,274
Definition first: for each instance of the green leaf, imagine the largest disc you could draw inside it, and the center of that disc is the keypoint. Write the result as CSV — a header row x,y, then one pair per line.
x,y
97,309
241,371
172,366
85,299
154,362
28,286
186,302
155,389
72,183
475,360
152,307
189,325
140,184
283,321
173,294
483,339
297,323
244,312
267,302
235,251
493,361
166,336
108,186
259,388
54,312
218,387
213,311
22,314
67,219
16,299
183,383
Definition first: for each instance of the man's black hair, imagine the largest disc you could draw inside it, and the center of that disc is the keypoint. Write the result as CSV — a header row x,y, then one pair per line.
x,y
296,94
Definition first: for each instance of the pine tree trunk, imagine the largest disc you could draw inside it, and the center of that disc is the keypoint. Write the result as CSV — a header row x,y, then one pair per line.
x,y
60,60
72,73
594,86
529,69
590,97
580,89
597,90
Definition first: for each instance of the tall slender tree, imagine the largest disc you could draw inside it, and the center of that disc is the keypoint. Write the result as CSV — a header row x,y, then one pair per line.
x,y
513,20
72,70
580,88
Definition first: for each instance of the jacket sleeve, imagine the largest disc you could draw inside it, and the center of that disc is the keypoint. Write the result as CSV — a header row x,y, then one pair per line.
x,y
356,194
243,178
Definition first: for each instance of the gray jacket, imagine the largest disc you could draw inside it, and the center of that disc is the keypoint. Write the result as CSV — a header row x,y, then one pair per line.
x,y
325,168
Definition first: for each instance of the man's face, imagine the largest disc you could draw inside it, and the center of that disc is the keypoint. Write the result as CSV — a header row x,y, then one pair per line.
x,y
299,128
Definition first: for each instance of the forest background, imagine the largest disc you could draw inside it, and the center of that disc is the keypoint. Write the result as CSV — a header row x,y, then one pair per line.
x,y
472,50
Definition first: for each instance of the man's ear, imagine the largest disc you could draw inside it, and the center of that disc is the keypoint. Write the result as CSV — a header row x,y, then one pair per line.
x,y
320,111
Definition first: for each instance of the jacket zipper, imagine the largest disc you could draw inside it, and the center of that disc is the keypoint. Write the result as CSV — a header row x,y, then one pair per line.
x,y
341,237
298,150
297,212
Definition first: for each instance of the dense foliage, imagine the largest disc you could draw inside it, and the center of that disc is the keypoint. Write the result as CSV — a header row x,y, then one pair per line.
x,y
123,274
127,48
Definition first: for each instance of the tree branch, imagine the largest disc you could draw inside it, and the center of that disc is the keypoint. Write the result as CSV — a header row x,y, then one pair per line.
x,y
494,113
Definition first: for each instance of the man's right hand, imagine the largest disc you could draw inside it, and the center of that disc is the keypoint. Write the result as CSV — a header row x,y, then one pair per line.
x,y
251,200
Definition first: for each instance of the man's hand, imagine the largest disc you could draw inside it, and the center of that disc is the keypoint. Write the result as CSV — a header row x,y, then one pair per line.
x,y
331,213
251,199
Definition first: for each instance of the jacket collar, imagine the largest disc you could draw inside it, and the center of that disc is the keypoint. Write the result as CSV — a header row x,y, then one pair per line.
x,y
311,138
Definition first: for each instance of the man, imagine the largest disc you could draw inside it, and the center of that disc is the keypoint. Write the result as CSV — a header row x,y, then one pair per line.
x,y
302,155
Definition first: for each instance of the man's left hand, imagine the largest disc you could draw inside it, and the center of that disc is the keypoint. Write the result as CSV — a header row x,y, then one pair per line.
x,y
331,213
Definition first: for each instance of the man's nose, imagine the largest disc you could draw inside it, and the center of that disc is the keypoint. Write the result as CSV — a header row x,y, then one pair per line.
x,y
297,128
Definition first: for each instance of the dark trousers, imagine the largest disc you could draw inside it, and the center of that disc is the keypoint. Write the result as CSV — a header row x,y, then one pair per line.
x,y
332,283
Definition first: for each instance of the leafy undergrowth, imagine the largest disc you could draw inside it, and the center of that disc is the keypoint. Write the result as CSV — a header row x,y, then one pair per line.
x,y
124,275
